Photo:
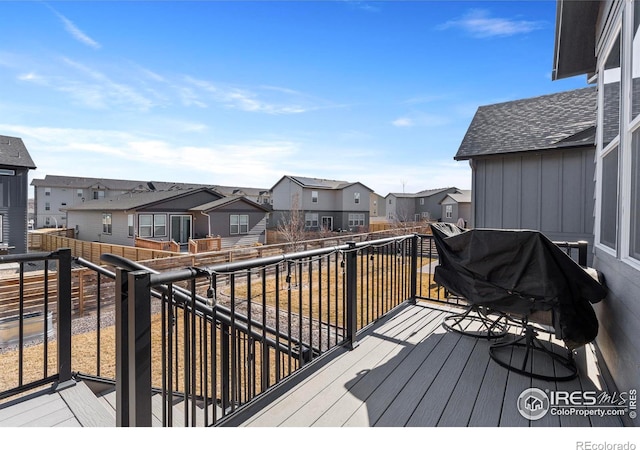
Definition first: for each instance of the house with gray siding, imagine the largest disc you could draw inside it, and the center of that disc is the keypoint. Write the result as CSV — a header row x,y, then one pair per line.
x,y
15,163
414,207
601,40
54,194
164,215
456,206
324,204
533,165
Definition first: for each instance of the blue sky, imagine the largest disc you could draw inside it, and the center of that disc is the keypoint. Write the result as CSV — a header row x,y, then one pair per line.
x,y
241,93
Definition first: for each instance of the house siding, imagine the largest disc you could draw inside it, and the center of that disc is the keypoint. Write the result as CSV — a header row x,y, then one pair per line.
x,y
550,191
13,208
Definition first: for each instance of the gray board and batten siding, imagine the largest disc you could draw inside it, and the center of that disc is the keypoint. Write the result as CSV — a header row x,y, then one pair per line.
x,y
533,165
15,163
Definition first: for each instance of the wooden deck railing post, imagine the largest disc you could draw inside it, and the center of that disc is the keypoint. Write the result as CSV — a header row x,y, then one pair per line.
x,y
64,315
352,290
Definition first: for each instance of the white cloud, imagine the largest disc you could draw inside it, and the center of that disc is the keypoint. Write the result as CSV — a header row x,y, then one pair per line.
x,y
263,99
480,24
76,32
403,122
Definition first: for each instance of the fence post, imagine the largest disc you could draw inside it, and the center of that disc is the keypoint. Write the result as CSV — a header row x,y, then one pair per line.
x,y
225,336
582,253
414,269
64,315
139,306
352,290
122,350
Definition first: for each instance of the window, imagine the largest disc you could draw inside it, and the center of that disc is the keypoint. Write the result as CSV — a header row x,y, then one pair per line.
x,y
611,96
130,225
97,195
448,211
159,225
356,220
356,197
106,223
389,201
635,82
47,192
311,220
314,196
421,201
9,172
47,221
238,224
79,192
634,250
145,225
47,206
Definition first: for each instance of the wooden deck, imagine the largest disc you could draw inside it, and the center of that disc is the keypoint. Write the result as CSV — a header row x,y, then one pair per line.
x,y
407,371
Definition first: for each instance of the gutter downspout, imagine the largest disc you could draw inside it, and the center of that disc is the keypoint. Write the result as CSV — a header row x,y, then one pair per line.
x,y
208,221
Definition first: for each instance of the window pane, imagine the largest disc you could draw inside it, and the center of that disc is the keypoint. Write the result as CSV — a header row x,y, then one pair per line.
x,y
130,225
160,225
609,200
611,88
244,224
145,225
635,104
233,224
634,250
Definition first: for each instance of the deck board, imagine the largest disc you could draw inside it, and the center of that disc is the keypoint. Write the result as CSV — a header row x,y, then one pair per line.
x,y
406,371
431,378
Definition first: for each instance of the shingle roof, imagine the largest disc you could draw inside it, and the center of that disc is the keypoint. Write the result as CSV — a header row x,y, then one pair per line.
x,y
558,120
321,183
462,196
131,200
13,153
425,193
109,183
226,201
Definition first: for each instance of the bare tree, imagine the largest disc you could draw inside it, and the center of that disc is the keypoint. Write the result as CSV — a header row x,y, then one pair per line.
x,y
291,228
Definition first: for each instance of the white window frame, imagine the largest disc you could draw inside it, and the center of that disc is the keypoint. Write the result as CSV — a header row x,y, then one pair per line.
x,y
47,192
131,225
47,206
356,220
356,197
311,220
314,196
159,226
107,223
615,143
448,211
238,224
98,195
143,227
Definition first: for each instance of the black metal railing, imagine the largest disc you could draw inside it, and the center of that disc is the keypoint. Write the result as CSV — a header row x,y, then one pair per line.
x,y
194,345
207,355
26,316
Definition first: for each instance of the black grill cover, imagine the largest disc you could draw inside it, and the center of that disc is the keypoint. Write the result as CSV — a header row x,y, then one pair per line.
x,y
518,272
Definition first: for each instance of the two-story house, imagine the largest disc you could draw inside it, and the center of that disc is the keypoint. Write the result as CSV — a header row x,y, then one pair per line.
x,y
601,39
423,205
325,204
15,163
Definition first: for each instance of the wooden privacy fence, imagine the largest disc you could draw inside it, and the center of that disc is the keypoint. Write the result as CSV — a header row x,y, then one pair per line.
x,y
84,292
166,246
91,251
